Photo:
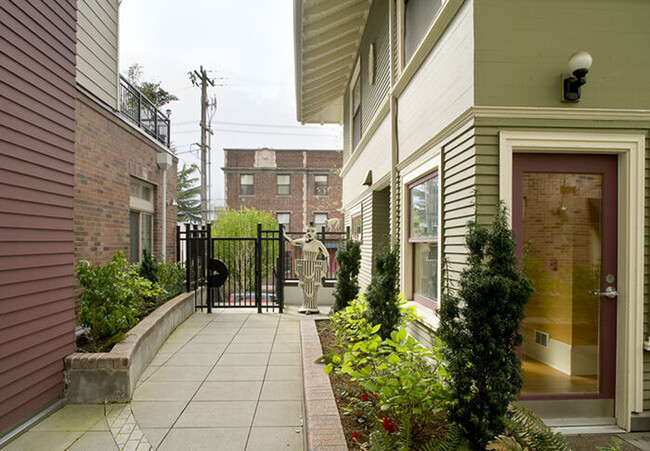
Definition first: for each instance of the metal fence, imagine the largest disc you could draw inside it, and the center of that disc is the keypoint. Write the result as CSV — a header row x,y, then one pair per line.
x,y
140,110
331,240
256,271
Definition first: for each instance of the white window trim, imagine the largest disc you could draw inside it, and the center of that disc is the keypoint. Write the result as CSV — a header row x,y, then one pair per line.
x,y
410,175
631,205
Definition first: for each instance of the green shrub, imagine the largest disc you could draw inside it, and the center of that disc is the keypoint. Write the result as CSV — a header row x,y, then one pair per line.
x,y
525,430
113,297
383,293
171,278
480,326
240,259
148,266
348,256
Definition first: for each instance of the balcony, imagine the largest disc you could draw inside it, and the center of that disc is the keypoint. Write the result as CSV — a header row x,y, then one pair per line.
x,y
142,112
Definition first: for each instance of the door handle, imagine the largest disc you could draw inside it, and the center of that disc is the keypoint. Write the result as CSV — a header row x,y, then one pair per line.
x,y
610,292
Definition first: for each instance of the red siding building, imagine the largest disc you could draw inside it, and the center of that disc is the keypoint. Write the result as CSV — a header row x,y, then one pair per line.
x,y
37,139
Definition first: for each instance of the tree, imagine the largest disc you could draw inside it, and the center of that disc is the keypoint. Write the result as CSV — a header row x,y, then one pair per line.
x,y
346,288
480,326
188,195
152,91
383,293
240,257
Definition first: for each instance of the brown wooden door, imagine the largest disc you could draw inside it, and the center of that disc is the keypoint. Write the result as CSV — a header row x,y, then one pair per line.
x,y
565,216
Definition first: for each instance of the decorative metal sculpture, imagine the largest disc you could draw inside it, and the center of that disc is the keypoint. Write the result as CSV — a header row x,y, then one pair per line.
x,y
310,269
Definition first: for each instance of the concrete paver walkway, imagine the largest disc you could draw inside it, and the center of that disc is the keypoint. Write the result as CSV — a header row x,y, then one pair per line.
x,y
229,380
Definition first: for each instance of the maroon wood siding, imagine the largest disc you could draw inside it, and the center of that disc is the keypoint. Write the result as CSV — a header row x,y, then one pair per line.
x,y
37,114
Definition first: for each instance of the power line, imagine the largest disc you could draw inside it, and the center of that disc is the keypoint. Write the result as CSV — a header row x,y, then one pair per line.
x,y
248,124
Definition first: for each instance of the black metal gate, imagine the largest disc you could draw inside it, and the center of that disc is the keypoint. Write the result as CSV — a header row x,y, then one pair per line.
x,y
255,267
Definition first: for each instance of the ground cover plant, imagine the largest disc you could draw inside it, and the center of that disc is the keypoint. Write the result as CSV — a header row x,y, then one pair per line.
x,y
116,296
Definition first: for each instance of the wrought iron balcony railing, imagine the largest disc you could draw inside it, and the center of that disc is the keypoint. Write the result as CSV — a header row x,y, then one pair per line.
x,y
140,110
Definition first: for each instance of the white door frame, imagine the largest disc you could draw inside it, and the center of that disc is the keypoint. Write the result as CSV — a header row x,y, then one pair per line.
x,y
630,149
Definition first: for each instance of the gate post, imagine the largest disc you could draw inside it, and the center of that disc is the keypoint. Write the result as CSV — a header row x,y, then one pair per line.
x,y
279,289
208,255
258,268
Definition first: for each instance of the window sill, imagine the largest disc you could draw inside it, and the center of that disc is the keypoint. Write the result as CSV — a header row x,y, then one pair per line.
x,y
428,317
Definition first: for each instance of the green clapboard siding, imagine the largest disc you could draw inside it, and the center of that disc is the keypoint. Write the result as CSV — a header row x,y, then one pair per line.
x,y
522,47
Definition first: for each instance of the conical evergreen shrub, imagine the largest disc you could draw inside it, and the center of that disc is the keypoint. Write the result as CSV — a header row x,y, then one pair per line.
x,y
480,326
383,293
348,256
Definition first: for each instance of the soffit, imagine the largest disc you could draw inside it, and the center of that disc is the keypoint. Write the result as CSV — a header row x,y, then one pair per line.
x,y
327,36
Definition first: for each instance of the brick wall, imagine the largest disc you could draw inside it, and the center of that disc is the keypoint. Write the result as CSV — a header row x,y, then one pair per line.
x,y
302,166
109,152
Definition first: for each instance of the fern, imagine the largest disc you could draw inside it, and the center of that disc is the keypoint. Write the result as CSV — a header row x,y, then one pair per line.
x,y
525,430
452,441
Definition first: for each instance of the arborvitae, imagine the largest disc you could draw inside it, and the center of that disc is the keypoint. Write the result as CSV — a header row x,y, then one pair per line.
x,y
382,296
480,326
149,266
348,256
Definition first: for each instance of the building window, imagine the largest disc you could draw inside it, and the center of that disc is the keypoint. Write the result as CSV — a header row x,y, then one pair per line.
x,y
357,227
355,102
140,235
284,185
320,185
418,16
285,220
246,185
140,219
423,236
320,221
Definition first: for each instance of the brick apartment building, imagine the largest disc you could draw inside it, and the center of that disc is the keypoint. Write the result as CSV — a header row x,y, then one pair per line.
x,y
298,186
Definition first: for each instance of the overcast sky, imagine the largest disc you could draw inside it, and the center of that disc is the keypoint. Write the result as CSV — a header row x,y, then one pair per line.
x,y
246,46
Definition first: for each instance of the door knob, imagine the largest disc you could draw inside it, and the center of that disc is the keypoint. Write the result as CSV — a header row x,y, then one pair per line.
x,y
609,292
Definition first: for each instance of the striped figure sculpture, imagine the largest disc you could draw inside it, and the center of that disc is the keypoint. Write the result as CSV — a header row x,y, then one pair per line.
x,y
310,269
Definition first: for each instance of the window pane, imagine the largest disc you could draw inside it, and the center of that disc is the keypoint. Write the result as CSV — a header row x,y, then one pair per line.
x,y
285,220
417,20
246,184
284,184
426,270
424,209
319,220
147,231
357,228
134,237
320,185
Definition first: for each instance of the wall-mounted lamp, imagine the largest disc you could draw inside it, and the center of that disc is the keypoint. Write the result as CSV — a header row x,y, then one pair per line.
x,y
368,180
579,65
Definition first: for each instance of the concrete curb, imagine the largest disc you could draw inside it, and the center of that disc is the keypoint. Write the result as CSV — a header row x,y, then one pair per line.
x,y
323,430
111,376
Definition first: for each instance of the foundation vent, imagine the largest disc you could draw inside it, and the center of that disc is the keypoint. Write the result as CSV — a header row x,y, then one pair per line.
x,y
541,338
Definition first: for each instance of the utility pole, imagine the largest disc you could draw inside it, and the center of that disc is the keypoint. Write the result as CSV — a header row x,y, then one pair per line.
x,y
201,77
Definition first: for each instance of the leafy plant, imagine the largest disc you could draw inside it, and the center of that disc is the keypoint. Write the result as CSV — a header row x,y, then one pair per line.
x,y
525,430
480,325
149,266
171,278
348,256
240,260
382,296
616,445
151,90
113,297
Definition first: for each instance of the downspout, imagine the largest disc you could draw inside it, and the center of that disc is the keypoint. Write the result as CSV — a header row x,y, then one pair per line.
x,y
164,161
394,145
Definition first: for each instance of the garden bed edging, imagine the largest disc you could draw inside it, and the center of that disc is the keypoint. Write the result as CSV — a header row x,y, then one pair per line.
x,y
111,376
323,430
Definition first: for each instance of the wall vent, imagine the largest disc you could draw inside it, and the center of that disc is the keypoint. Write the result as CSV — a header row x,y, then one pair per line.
x,y
541,338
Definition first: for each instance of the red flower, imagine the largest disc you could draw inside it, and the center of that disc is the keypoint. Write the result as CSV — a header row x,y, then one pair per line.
x,y
355,435
374,396
387,424
363,398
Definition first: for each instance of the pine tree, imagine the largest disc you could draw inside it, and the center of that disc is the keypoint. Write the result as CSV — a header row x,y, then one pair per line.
x,y
348,256
383,293
480,326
